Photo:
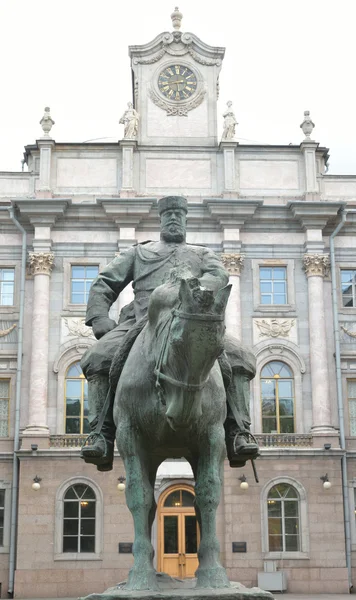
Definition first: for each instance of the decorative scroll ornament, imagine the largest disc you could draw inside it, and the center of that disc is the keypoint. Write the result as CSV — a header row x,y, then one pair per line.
x,y
186,40
41,263
179,110
149,61
275,328
352,334
78,328
233,263
204,61
5,332
316,265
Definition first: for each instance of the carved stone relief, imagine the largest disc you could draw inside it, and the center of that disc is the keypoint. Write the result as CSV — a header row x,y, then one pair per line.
x,y
274,328
7,331
75,327
348,332
177,110
233,263
41,263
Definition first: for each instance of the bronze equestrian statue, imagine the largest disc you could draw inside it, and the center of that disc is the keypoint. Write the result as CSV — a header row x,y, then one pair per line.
x,y
147,265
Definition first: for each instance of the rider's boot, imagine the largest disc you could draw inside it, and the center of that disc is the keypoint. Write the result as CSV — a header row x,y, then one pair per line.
x,y
241,446
98,448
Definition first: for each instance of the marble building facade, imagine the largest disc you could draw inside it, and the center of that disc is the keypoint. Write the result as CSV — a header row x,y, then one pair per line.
x,y
271,213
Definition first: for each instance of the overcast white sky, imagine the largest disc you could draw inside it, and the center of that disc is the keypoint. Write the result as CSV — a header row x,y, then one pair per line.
x,y
282,57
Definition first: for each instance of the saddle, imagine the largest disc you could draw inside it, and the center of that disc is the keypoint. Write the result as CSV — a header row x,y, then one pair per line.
x,y
121,354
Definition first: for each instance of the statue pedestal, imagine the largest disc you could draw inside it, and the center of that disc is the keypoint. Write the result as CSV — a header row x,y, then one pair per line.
x,y
174,589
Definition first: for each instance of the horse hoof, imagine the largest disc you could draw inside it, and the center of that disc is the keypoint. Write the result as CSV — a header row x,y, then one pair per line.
x,y
142,580
212,578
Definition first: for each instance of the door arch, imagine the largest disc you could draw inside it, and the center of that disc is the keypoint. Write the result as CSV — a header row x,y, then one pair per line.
x,y
178,532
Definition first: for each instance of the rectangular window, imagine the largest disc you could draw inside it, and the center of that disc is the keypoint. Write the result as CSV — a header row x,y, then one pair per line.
x,y
7,285
82,277
273,285
4,407
2,519
348,283
351,395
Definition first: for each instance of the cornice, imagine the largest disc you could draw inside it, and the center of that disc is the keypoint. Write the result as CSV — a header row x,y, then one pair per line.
x,y
177,44
232,212
315,215
127,213
42,211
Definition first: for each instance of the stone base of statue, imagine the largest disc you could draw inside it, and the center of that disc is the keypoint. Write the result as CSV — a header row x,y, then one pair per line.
x,y
171,588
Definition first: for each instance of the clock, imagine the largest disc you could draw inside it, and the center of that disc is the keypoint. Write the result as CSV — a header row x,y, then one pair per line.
x,y
177,82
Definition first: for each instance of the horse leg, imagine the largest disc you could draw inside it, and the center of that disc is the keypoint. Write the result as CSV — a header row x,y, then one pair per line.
x,y
194,464
140,501
210,573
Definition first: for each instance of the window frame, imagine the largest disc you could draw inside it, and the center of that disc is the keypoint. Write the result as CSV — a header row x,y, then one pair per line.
x,y
81,417
12,309
59,516
303,553
347,310
273,308
6,485
68,306
8,378
2,268
272,281
277,379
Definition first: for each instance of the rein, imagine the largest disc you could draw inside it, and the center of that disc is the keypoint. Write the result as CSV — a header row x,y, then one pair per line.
x,y
190,387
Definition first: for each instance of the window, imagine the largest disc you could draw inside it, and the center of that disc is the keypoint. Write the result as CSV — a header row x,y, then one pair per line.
x,y
79,519
277,398
2,520
273,285
4,407
82,277
283,519
76,401
7,285
351,395
348,283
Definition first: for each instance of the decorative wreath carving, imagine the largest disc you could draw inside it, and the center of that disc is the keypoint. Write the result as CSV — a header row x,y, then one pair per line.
x,y
180,110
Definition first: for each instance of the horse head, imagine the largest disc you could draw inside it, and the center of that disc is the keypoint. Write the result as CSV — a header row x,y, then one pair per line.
x,y
190,340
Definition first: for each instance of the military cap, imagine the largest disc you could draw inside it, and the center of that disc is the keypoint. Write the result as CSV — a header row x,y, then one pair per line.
x,y
172,202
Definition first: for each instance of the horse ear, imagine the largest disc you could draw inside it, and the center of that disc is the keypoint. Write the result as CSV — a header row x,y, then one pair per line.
x,y
184,291
222,297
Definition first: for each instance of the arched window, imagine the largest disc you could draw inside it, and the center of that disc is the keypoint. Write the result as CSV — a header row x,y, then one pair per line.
x,y
76,401
79,519
277,398
283,519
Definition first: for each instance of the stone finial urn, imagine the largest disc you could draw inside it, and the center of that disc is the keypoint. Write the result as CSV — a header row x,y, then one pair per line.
x,y
176,17
46,122
307,126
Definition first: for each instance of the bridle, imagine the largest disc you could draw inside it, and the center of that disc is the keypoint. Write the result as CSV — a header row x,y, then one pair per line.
x,y
189,387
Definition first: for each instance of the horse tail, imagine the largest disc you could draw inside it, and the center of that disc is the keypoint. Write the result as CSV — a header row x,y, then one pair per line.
x,y
121,354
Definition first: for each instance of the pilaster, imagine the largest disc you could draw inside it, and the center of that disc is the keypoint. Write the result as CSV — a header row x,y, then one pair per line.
x,y
228,149
127,183
233,263
46,147
308,148
316,268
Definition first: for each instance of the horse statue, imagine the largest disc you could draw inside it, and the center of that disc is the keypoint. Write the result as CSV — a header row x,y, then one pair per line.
x,y
170,402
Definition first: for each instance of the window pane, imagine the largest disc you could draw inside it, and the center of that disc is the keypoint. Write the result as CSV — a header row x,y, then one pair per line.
x,y
352,416
351,388
268,407
70,544
87,508
291,509
173,499
87,527
291,526
78,272
279,299
265,273
292,543
269,425
279,273
274,508
266,286
285,389
87,544
274,526
275,543
89,494
187,498
285,407
78,287
80,489
72,425
70,527
71,509
266,299
74,371
2,498
279,287
191,541
286,425
8,274
73,407
92,272
74,387
70,494
170,534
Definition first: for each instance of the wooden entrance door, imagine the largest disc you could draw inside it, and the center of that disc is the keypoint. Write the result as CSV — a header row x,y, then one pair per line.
x,y
178,533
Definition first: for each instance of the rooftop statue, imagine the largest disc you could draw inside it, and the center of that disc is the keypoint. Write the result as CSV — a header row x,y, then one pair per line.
x,y
169,381
130,120
229,123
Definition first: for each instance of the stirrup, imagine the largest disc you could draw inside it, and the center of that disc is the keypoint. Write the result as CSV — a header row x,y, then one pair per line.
x,y
92,440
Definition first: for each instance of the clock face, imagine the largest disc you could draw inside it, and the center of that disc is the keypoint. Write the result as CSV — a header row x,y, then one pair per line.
x,y
177,82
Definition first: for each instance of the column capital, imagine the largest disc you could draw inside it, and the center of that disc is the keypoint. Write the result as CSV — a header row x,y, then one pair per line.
x,y
316,265
233,263
41,263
